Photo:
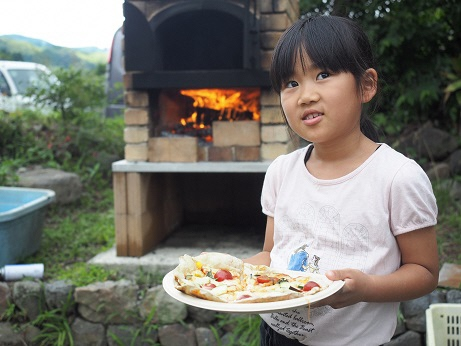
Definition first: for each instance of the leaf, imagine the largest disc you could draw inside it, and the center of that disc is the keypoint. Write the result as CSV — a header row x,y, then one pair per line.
x,y
452,87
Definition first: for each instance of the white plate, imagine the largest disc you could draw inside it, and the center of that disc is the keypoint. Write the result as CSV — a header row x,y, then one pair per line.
x,y
335,286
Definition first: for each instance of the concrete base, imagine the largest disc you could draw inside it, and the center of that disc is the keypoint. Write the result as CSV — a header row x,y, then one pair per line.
x,y
190,167
192,240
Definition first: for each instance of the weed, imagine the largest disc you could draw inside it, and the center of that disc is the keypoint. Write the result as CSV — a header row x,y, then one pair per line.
x,y
141,335
13,314
54,325
146,278
148,326
244,329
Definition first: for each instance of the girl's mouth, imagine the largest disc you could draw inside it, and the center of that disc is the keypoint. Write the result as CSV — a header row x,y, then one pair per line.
x,y
311,116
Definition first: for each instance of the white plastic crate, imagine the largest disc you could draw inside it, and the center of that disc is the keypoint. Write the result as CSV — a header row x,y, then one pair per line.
x,y
443,325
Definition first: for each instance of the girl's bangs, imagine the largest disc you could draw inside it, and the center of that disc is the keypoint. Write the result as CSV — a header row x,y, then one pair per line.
x,y
284,58
327,44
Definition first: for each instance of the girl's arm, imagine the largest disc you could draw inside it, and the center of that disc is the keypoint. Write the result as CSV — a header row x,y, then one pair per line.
x,y
263,257
417,276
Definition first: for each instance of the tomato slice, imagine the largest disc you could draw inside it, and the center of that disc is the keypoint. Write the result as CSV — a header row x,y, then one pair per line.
x,y
222,275
208,286
263,279
244,296
310,285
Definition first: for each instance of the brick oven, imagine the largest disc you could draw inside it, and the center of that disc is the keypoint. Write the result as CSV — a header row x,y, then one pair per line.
x,y
201,122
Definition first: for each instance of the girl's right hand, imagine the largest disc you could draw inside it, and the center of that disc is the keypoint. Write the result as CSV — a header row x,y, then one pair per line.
x,y
355,289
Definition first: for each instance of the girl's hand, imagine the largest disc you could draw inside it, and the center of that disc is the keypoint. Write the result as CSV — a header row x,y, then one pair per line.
x,y
355,290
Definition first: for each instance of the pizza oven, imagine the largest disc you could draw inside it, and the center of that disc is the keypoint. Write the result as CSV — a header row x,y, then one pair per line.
x,y
197,73
201,121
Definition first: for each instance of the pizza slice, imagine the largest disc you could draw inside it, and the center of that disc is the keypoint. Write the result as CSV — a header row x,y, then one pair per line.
x,y
225,278
269,284
212,276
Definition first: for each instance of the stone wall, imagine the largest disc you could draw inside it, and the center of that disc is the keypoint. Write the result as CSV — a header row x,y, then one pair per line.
x,y
123,313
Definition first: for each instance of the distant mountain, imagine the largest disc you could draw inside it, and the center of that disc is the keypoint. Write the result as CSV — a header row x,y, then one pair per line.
x,y
33,41
21,48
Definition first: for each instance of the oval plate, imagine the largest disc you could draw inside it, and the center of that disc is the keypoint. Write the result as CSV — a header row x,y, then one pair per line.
x,y
335,286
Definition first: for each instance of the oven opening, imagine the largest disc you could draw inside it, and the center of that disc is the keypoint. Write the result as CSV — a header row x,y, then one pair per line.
x,y
192,112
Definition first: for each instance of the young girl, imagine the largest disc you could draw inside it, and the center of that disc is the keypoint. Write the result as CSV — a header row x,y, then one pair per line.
x,y
344,206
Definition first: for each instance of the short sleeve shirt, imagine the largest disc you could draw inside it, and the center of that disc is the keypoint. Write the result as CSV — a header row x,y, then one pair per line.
x,y
349,222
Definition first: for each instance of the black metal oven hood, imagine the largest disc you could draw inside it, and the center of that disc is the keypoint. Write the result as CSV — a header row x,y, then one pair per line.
x,y
194,44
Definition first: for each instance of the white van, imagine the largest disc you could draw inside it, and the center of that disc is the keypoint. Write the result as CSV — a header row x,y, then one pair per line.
x,y
15,78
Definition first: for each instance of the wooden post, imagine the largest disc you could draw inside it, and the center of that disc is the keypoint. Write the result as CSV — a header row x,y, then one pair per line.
x,y
121,213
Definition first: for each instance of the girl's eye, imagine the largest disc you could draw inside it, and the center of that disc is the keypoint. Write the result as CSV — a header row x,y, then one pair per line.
x,y
292,84
323,75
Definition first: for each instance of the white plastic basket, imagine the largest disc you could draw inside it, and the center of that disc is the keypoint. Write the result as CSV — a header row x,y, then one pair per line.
x,y
443,325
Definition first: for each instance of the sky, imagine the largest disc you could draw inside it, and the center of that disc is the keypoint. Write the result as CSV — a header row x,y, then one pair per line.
x,y
65,23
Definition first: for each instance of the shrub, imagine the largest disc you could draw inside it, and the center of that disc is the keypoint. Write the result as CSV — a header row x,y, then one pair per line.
x,y
74,137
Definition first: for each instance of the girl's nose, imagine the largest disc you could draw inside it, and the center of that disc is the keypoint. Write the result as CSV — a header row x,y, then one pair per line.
x,y
308,95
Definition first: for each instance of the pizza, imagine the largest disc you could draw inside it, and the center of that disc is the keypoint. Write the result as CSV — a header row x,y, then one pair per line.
x,y
224,278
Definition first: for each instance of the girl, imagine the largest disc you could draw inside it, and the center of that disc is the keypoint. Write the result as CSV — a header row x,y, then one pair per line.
x,y
345,206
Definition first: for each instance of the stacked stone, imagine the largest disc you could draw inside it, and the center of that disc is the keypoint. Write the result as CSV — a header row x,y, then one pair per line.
x,y
107,313
276,16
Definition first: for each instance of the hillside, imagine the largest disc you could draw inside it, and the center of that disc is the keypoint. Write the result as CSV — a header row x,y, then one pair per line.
x,y
16,47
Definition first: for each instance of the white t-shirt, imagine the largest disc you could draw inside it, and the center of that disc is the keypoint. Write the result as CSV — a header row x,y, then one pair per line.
x,y
349,222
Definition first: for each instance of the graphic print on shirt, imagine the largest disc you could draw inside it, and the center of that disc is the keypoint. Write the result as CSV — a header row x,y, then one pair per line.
x,y
354,246
300,261
327,235
323,245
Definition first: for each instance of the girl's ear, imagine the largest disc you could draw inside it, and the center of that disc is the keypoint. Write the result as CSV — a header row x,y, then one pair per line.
x,y
369,85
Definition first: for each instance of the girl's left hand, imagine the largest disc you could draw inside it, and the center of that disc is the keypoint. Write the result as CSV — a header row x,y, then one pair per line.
x,y
355,290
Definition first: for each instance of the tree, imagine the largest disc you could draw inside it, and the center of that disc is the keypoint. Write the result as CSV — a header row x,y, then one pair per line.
x,y
5,55
70,92
417,44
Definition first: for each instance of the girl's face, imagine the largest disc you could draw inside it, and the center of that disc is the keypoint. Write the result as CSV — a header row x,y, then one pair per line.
x,y
320,106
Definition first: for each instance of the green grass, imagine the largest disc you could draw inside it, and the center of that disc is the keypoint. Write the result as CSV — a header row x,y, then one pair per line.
x,y
75,233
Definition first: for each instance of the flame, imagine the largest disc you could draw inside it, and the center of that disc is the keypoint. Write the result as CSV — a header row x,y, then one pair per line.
x,y
227,101
214,105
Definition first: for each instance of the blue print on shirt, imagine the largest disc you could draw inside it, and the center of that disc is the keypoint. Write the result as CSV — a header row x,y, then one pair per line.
x,y
299,259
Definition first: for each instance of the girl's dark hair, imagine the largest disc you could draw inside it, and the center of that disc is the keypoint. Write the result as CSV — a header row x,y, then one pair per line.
x,y
335,44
